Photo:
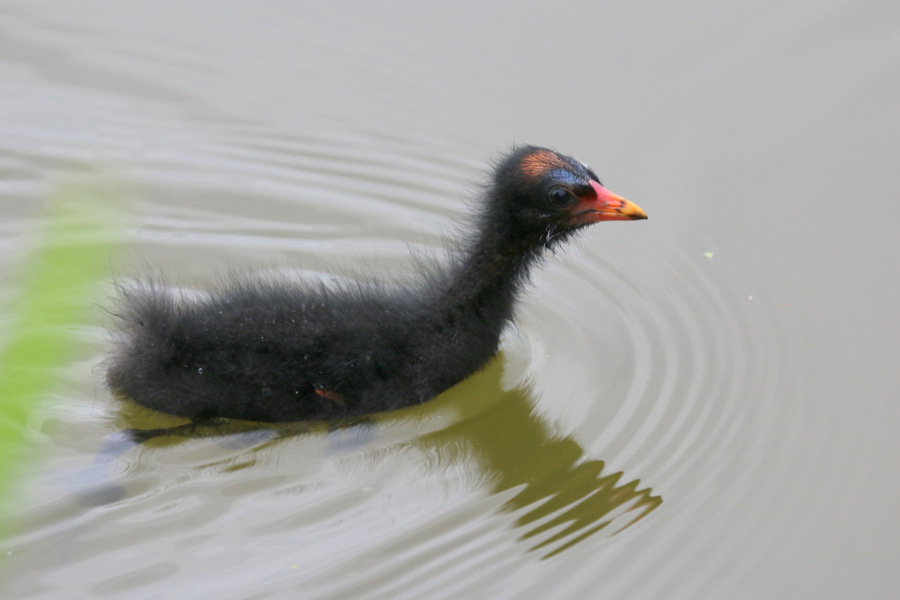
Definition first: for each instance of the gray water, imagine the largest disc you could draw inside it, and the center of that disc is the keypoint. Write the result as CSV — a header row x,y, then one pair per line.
x,y
702,405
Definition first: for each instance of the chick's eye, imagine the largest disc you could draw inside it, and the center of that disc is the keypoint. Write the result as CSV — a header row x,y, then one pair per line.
x,y
560,197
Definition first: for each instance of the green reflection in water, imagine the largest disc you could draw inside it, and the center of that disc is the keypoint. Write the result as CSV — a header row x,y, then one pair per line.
x,y
563,496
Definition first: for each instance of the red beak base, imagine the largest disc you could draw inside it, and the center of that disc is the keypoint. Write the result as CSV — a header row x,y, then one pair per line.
x,y
606,206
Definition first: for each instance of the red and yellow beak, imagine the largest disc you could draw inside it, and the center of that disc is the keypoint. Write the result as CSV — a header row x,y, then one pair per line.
x,y
606,206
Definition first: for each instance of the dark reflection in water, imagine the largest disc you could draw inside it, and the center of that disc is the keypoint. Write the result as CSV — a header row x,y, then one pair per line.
x,y
560,489
563,497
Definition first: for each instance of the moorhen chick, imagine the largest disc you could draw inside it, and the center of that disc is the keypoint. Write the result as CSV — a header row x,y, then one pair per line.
x,y
269,349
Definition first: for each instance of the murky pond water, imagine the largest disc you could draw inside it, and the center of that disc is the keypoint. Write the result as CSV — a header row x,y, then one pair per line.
x,y
702,405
